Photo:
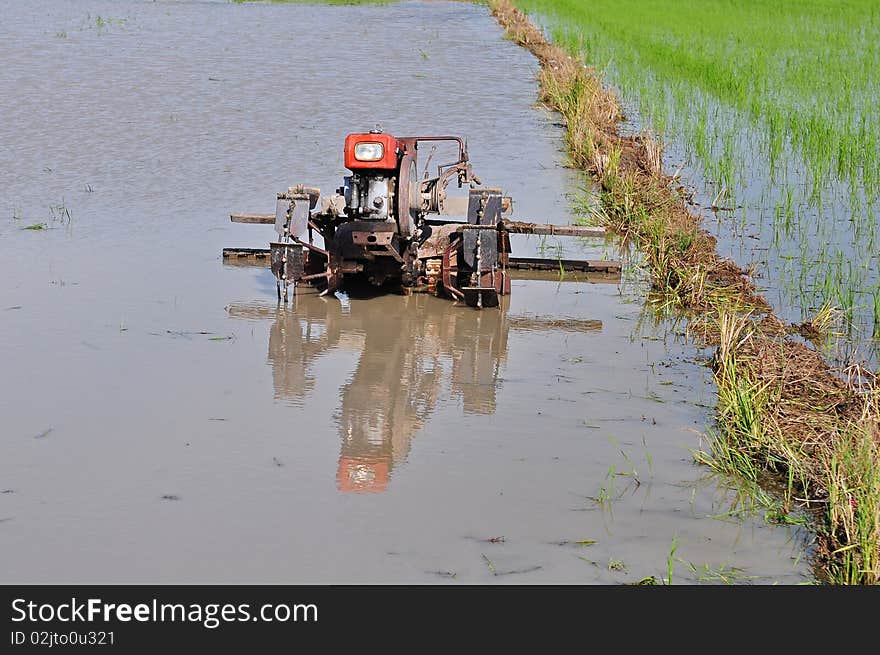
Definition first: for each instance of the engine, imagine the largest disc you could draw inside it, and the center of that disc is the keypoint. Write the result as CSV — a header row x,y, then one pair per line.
x,y
373,160
368,197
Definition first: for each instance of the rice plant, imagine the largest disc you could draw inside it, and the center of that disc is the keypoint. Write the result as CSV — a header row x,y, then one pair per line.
x,y
776,107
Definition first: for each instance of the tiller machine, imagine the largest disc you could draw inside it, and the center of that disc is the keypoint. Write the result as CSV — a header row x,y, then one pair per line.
x,y
387,227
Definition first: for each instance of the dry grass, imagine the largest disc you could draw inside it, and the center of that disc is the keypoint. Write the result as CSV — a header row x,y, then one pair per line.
x,y
780,404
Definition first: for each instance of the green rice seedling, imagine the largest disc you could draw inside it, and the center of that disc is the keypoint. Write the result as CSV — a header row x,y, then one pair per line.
x,y
646,581
726,457
606,492
649,458
722,573
853,482
543,244
752,90
826,319
875,295
670,560
616,565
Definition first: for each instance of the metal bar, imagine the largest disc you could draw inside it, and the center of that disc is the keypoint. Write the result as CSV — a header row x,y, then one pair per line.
x,y
542,264
518,227
260,253
472,226
458,139
260,219
388,252
448,269
314,276
310,247
260,256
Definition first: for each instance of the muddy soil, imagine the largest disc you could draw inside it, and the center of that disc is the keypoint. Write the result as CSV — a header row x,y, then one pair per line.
x,y
165,421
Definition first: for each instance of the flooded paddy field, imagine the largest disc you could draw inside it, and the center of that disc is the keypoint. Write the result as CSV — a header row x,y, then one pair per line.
x,y
164,420
769,112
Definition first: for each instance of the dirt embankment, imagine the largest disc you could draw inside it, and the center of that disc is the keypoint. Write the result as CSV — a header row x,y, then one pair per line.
x,y
782,409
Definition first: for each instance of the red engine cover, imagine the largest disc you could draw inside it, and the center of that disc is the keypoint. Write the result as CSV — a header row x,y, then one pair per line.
x,y
388,160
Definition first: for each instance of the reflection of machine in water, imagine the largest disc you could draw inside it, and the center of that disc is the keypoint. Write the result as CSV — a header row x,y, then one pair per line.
x,y
407,360
411,351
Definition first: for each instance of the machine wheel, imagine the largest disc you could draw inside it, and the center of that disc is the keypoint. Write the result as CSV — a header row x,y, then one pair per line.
x,y
409,200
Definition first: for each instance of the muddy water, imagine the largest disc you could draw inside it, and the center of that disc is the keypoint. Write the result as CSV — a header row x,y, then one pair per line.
x,y
163,420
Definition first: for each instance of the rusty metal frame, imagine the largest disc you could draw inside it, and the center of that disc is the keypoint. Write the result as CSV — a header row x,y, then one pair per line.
x,y
447,269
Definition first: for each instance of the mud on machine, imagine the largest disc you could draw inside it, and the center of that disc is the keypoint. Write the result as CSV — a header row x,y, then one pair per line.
x,y
387,227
